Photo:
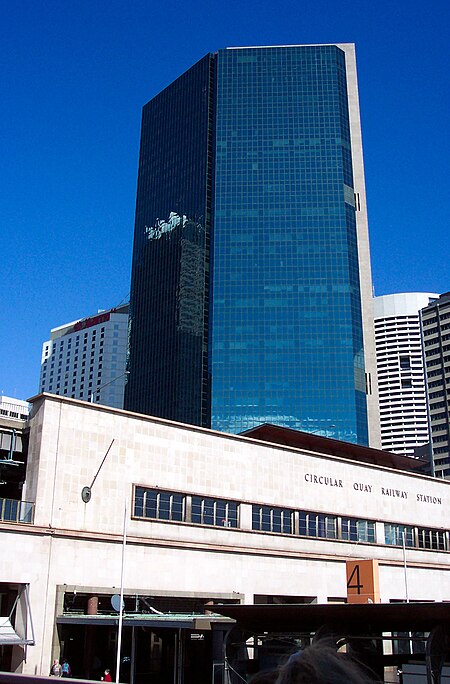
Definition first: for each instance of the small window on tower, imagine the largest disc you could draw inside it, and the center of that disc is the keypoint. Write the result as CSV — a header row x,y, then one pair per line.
x,y
405,363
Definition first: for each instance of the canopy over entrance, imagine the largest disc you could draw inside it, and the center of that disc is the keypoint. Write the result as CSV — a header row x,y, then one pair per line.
x,y
8,635
168,621
349,619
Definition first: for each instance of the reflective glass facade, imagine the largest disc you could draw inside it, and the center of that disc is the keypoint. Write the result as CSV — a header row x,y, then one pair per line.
x,y
168,351
266,169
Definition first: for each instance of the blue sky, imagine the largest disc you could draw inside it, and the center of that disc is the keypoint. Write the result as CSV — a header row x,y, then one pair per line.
x,y
75,76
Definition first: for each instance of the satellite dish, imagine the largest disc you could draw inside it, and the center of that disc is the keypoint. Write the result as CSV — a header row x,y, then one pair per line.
x,y
86,494
115,602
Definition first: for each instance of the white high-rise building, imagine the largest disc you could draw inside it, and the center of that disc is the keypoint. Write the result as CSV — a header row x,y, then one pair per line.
x,y
86,359
401,381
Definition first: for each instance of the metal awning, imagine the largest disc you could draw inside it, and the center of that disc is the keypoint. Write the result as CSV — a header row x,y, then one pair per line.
x,y
9,636
350,618
198,622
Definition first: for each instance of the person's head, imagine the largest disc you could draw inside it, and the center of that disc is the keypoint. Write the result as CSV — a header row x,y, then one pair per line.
x,y
321,664
107,671
265,677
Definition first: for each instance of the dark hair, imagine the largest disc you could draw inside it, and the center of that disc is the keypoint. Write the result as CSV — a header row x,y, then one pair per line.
x,y
321,664
265,677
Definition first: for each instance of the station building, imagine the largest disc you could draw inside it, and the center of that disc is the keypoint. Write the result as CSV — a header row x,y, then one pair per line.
x,y
198,518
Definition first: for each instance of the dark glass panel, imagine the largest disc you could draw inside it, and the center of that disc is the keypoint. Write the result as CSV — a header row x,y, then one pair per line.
x,y
168,361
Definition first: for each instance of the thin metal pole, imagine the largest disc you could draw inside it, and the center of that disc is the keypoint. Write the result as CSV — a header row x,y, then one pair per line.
x,y
101,464
133,655
404,567
175,656
180,658
98,389
119,634
406,586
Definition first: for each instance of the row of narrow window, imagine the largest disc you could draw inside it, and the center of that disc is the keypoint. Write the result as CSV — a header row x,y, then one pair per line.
x,y
438,350
155,504
60,346
435,331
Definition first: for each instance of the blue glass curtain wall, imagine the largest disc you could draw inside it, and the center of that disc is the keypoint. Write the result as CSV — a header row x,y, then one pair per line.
x,y
287,333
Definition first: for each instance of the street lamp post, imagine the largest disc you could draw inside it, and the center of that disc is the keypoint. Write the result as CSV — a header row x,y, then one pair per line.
x,y
122,574
97,389
86,494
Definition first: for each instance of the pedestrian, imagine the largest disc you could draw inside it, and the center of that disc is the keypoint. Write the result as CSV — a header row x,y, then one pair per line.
x,y
56,669
107,676
66,671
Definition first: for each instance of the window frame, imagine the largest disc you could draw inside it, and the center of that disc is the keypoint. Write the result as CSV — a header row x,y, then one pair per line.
x,y
206,510
167,506
263,519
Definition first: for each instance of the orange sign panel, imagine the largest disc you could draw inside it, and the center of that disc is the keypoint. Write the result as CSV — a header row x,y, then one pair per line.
x,y
363,581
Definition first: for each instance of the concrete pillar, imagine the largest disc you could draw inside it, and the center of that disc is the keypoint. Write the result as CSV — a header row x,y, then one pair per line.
x,y
90,637
92,605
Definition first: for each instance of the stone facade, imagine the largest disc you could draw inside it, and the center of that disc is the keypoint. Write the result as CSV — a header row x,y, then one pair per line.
x,y
79,545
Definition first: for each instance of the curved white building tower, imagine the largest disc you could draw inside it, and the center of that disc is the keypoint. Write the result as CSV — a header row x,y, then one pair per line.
x,y
401,381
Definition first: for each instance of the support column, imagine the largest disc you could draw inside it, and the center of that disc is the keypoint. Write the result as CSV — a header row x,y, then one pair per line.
x,y
92,605
89,639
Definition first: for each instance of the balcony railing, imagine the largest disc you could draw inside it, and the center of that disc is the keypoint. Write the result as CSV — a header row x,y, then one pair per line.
x,y
15,511
19,411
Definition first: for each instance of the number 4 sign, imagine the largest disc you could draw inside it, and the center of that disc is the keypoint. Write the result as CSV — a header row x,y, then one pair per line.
x,y
363,584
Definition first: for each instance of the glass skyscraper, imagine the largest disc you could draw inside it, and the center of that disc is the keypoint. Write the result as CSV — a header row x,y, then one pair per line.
x,y
251,281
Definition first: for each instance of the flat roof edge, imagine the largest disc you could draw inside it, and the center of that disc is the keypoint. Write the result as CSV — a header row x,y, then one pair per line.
x,y
259,47
307,451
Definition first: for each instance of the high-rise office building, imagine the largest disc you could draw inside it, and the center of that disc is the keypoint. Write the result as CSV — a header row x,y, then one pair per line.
x,y
435,320
401,379
86,359
251,284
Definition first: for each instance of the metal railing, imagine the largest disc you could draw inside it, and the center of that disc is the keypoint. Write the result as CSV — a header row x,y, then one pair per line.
x,y
12,510
11,410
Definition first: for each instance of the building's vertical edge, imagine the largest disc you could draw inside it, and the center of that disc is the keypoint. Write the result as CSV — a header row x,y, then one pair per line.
x,y
427,392
435,325
209,250
365,271
30,490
